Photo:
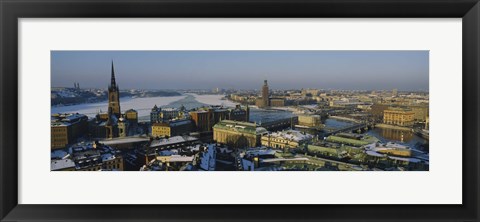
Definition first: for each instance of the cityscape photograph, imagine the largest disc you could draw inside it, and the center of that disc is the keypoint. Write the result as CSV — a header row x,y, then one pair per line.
x,y
240,110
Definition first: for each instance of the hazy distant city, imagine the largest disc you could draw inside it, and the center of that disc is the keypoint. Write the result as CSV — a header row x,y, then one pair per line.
x,y
239,111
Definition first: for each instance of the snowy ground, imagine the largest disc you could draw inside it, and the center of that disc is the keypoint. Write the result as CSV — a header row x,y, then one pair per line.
x,y
142,105
213,100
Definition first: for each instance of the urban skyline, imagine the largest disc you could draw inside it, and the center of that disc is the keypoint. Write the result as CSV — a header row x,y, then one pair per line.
x,y
174,70
227,129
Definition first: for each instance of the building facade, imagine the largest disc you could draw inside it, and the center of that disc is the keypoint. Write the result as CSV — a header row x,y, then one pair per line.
x,y
238,134
398,116
66,128
205,118
265,96
172,128
310,120
276,102
131,116
158,115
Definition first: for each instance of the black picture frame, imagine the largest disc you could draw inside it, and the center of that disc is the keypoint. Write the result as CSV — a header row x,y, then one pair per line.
x,y
11,11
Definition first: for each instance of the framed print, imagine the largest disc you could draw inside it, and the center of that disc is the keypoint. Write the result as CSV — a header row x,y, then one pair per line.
x,y
265,110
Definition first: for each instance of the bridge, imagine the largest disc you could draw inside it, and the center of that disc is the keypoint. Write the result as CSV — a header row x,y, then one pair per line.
x,y
359,126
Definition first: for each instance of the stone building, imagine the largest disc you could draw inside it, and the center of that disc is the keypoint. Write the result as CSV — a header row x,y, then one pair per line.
x,y
205,118
172,128
66,128
285,139
398,116
238,134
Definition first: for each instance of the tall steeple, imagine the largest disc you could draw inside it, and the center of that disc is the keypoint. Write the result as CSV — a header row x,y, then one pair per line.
x,y
113,84
114,95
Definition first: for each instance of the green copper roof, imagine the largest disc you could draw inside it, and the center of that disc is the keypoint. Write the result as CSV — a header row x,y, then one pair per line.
x,y
241,127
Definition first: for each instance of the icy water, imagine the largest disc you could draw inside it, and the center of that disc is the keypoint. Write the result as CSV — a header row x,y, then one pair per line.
x,y
263,116
398,136
144,105
384,135
141,105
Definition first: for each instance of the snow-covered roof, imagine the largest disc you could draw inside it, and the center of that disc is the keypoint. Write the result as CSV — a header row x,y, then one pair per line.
x,y
107,157
292,135
178,158
405,159
396,145
260,152
246,164
61,164
172,140
207,161
375,154
180,122
122,140
59,154
284,159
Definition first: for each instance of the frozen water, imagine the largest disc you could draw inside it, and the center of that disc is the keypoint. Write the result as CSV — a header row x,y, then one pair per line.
x,y
214,100
142,105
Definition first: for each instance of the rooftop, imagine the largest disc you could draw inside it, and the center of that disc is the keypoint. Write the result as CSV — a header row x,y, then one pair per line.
x,y
172,140
122,140
245,127
292,135
61,164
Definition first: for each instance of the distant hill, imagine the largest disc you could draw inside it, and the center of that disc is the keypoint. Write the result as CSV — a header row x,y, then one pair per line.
x,y
71,96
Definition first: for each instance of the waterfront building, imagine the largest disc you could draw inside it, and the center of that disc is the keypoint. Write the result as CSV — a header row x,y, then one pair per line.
x,y
66,128
420,112
398,116
158,115
238,134
169,113
172,128
205,118
310,120
285,139
155,115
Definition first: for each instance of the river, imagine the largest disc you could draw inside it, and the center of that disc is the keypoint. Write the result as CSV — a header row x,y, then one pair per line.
x,y
384,135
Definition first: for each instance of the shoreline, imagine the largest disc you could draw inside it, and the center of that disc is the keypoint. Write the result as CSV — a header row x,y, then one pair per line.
x,y
386,126
344,119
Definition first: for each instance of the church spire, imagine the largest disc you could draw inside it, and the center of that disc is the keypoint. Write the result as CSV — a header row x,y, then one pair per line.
x,y
112,81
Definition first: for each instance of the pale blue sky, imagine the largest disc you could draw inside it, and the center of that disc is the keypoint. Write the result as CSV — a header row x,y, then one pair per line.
x,y
361,70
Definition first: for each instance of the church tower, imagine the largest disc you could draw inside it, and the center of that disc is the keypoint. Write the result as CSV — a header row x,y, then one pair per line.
x,y
114,96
